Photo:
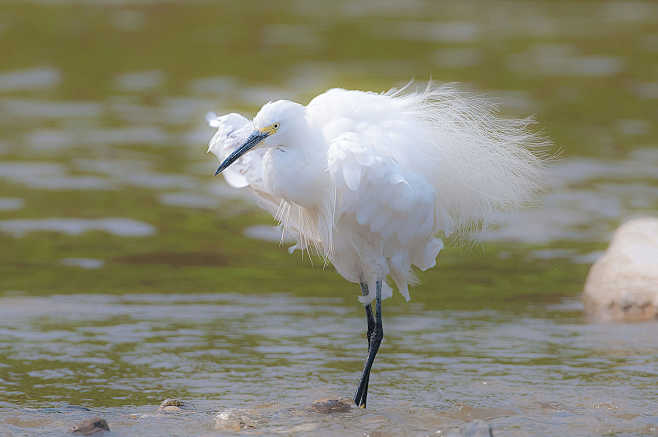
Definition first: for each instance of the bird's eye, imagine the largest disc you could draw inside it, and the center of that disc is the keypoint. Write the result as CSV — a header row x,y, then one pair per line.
x,y
275,125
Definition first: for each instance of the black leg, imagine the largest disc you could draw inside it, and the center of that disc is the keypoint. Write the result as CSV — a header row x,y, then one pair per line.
x,y
369,316
371,328
373,346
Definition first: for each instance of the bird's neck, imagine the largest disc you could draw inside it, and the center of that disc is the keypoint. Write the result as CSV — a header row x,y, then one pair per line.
x,y
298,172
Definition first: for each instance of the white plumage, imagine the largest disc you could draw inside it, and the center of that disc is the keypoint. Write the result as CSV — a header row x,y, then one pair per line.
x,y
374,181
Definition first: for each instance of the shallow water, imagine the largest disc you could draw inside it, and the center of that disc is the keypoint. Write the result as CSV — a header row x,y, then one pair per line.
x,y
268,357
128,274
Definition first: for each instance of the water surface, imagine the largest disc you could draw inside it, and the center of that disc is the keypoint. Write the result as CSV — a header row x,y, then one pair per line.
x,y
268,357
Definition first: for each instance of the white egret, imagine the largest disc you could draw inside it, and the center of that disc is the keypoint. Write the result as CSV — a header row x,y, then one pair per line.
x,y
373,181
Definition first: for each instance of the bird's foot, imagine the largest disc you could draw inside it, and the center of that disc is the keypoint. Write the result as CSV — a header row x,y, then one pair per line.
x,y
361,395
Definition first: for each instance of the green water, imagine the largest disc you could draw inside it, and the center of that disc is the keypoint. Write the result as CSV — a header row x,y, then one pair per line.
x,y
147,287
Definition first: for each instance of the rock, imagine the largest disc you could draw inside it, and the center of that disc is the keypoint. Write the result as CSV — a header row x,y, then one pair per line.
x,y
171,402
91,426
234,421
623,284
476,428
329,406
171,405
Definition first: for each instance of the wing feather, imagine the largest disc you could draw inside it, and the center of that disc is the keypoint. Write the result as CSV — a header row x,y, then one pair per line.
x,y
394,208
476,161
232,130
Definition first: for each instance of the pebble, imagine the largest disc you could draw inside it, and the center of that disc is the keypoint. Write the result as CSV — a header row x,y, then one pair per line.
x,y
171,402
91,426
330,406
233,420
171,405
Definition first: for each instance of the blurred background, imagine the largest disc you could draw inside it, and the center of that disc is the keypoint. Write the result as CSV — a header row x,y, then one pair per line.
x,y
129,273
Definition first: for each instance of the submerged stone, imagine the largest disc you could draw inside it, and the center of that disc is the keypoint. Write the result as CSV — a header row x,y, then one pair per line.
x,y
171,405
234,420
623,284
171,402
329,406
91,426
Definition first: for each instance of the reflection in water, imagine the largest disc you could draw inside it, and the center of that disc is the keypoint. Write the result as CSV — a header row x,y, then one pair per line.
x,y
268,233
85,263
189,200
10,203
125,136
47,176
561,60
647,90
31,109
437,31
457,58
74,226
140,81
33,79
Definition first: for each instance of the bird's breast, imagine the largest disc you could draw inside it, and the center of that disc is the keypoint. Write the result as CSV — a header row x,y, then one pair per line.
x,y
292,176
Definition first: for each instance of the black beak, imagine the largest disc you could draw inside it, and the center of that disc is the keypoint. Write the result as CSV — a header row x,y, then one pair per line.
x,y
255,138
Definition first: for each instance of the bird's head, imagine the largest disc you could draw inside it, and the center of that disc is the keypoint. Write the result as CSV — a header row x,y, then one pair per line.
x,y
275,124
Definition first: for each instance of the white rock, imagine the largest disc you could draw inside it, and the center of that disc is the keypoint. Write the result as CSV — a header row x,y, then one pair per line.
x,y
234,420
171,405
623,284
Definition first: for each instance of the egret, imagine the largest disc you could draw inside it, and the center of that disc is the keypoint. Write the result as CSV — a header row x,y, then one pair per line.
x,y
374,182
